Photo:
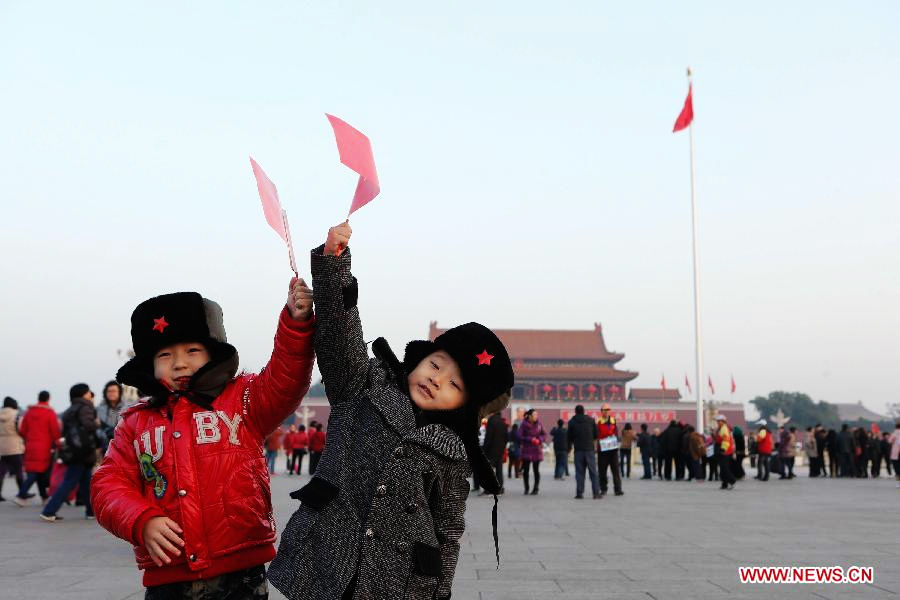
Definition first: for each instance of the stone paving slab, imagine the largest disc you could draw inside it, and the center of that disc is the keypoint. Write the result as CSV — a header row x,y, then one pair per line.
x,y
661,541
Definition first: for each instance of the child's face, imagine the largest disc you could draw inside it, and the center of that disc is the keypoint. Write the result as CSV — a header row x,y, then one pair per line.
x,y
436,383
174,365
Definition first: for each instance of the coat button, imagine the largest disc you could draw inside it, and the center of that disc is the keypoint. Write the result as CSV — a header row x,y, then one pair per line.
x,y
370,533
176,435
412,507
193,558
402,546
182,493
381,490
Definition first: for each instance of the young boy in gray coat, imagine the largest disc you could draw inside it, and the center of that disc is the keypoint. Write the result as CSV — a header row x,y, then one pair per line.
x,y
383,515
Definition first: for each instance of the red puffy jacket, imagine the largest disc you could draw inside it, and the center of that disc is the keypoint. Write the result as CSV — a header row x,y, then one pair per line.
x,y
764,445
208,472
40,429
300,441
317,441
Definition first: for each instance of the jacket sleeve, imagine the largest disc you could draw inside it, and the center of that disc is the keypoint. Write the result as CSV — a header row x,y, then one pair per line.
x,y
450,522
343,359
55,431
116,496
276,392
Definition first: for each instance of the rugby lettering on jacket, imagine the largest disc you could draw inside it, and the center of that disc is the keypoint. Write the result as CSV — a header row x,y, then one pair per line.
x,y
208,429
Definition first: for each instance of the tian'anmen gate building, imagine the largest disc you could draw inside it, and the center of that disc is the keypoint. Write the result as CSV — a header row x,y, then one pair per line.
x,y
557,369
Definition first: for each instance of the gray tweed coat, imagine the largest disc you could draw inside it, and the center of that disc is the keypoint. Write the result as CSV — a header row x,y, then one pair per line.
x,y
387,501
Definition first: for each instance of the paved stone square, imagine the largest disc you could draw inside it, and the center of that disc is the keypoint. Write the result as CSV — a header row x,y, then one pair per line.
x,y
661,541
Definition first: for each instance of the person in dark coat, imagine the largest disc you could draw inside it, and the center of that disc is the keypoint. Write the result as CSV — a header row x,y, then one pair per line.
x,y
560,450
582,434
79,428
669,444
846,446
656,452
685,451
384,513
495,438
515,453
861,453
833,453
645,445
740,451
819,434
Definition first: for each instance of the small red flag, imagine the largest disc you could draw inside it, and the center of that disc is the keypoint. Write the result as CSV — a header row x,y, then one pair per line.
x,y
663,382
733,385
687,113
687,383
712,388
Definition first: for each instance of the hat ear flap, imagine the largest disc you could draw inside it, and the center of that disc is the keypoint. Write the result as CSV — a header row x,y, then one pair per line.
x,y
496,405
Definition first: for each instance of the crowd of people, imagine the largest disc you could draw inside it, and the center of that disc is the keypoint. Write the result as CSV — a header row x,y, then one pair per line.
x,y
600,450
296,443
57,453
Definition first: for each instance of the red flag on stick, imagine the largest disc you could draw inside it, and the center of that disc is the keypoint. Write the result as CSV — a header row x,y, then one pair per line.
x,y
356,152
733,385
687,384
687,113
275,215
663,382
711,386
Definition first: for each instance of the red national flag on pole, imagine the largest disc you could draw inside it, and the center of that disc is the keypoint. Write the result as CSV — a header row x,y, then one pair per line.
x,y
687,113
712,388
687,384
663,383
733,385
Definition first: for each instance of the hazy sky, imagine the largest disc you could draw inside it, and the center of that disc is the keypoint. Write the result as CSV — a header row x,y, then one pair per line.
x,y
529,177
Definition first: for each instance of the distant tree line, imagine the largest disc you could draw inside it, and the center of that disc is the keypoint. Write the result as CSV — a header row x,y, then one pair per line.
x,y
805,413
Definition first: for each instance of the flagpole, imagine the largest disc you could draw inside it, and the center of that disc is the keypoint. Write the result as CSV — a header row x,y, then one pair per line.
x,y
698,351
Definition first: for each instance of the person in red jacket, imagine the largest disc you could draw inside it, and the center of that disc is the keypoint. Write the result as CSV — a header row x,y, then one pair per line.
x,y
316,447
608,450
273,445
184,479
764,446
298,449
40,429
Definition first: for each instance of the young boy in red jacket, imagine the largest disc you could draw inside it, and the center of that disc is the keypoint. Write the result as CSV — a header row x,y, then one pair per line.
x,y
184,479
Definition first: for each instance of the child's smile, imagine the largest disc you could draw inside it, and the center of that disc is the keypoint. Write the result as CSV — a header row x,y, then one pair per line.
x,y
174,365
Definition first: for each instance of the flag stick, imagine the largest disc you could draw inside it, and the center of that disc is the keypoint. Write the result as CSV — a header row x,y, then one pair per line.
x,y
698,352
290,245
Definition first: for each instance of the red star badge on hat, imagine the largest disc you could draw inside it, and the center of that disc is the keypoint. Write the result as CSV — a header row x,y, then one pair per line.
x,y
160,324
484,358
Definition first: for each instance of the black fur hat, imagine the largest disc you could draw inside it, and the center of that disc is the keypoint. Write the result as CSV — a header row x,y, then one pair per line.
x,y
483,362
172,319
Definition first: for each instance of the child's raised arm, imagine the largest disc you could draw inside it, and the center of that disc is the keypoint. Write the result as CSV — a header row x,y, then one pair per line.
x,y
278,389
341,351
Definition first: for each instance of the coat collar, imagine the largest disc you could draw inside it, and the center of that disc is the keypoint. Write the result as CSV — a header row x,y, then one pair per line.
x,y
439,438
393,404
